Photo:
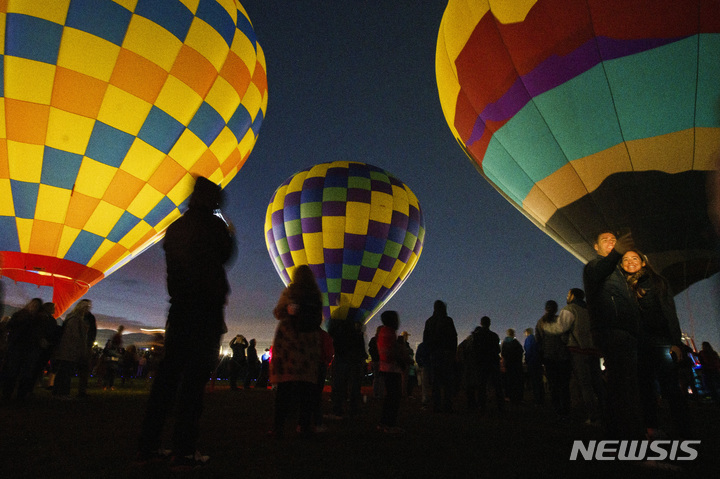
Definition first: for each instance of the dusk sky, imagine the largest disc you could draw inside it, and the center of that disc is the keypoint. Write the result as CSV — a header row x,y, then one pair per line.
x,y
356,81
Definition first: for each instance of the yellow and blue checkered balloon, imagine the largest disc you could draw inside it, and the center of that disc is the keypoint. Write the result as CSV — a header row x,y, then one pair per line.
x,y
108,110
360,229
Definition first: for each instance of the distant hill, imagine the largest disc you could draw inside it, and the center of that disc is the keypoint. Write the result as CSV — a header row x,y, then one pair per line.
x,y
140,340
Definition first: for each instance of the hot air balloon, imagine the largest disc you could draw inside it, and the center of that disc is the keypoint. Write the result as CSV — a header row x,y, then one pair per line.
x,y
593,115
359,228
109,111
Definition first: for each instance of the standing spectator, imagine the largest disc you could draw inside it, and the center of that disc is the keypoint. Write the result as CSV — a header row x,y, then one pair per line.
x,y
74,350
263,377
686,370
238,363
440,336
253,364
392,360
197,247
659,346
129,364
574,322
112,357
327,356
710,363
408,374
348,365
511,352
556,358
297,351
377,384
485,352
533,363
18,368
467,369
615,320
49,335
142,369
422,360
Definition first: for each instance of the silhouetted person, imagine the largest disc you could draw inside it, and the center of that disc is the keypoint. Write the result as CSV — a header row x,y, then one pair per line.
x,y
238,363
348,365
327,356
377,384
297,351
467,369
197,247
112,358
533,363
556,358
440,338
710,363
22,350
392,360
74,350
574,322
486,354
253,364
48,335
422,360
512,354
408,376
263,377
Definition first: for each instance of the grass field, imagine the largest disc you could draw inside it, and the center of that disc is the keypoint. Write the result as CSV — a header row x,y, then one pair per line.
x,y
96,438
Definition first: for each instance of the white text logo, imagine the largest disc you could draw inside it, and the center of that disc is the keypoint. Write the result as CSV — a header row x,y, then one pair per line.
x,y
610,450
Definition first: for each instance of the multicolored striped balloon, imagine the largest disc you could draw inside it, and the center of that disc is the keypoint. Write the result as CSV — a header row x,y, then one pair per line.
x,y
593,114
108,109
360,229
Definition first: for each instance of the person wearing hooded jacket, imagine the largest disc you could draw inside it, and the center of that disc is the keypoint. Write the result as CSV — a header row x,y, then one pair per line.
x,y
198,246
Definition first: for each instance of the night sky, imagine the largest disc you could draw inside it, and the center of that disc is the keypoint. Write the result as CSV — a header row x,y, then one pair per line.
x,y
356,81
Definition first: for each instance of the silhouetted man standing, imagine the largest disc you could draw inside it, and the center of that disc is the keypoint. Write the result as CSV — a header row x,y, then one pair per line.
x,y
485,351
197,247
440,338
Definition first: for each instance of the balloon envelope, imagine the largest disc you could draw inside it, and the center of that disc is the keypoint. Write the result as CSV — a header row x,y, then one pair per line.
x,y
360,229
109,110
592,115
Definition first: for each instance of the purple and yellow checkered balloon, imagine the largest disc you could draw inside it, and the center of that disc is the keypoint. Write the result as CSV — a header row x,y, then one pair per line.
x,y
360,229
109,108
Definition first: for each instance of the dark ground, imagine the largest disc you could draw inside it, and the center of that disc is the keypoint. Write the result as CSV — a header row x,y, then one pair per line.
x,y
96,438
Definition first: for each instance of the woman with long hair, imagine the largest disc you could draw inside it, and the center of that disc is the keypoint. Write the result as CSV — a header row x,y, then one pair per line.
x,y
297,350
659,344
393,358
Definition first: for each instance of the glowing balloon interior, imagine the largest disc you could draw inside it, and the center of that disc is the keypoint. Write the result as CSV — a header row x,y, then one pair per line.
x,y
589,115
360,229
108,110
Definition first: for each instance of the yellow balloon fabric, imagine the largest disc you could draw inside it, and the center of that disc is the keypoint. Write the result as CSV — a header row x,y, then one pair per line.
x,y
108,110
360,229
